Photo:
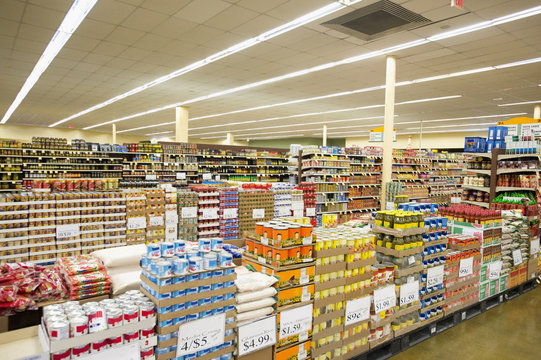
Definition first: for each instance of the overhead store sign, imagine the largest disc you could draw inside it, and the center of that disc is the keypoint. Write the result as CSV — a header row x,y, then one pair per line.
x,y
376,135
457,3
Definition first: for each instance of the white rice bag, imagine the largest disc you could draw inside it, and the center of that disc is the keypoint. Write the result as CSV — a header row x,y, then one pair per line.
x,y
254,305
255,295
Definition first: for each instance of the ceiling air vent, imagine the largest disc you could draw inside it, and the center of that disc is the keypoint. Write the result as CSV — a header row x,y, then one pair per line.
x,y
376,20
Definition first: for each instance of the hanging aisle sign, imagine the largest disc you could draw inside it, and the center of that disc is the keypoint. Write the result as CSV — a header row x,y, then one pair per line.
x,y
376,135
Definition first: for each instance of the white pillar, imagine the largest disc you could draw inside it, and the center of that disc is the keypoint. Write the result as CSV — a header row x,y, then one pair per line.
x,y
537,111
114,134
390,79
181,125
421,136
325,135
230,140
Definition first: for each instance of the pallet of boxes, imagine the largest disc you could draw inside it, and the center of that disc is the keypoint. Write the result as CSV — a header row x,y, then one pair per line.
x,y
284,249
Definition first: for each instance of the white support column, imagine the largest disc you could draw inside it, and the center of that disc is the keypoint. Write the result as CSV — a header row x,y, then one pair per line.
x,y
390,79
181,125
114,134
325,135
421,136
537,111
230,140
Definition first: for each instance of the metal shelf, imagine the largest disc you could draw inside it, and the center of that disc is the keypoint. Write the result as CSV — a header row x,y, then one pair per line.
x,y
510,171
513,188
478,203
482,188
479,171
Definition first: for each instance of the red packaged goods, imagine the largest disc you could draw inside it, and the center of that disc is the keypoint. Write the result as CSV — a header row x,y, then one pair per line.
x,y
88,278
85,276
80,264
8,293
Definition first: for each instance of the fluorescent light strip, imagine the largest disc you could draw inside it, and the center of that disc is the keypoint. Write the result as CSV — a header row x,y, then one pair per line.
x,y
159,133
75,15
521,103
300,21
464,30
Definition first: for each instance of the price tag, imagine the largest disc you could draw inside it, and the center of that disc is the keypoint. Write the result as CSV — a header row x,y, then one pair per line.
x,y
131,351
257,335
517,257
295,321
434,276
155,220
207,176
409,293
456,200
494,270
171,217
189,212
384,298
201,334
264,240
304,278
67,231
357,310
307,240
411,260
284,211
258,213
310,211
137,222
217,177
210,214
297,213
466,267
231,213
150,177
181,176
297,205
534,247
389,205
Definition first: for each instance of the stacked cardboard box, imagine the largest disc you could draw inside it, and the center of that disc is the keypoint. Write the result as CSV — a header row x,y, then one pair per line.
x,y
155,214
171,214
229,213
136,221
254,206
209,207
41,227
187,215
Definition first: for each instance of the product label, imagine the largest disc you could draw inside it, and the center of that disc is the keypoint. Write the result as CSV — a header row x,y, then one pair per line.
x,y
257,335
201,334
434,276
258,213
295,321
189,212
409,293
494,270
517,257
137,222
357,310
384,298
466,267
67,231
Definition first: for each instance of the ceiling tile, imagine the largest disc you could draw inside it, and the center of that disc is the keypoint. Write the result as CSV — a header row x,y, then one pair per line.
x,y
168,7
144,20
125,36
12,10
231,18
40,16
174,28
112,11
201,11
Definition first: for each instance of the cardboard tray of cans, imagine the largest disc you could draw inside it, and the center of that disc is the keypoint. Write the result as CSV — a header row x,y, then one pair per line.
x,y
361,277
359,336
399,253
463,247
361,292
460,307
408,271
460,295
298,351
330,252
376,343
398,232
59,345
318,351
333,299
441,241
358,351
360,263
209,356
407,329
288,276
330,268
373,324
408,309
454,275
329,316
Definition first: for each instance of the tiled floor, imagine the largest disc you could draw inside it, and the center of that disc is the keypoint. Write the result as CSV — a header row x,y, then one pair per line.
x,y
509,331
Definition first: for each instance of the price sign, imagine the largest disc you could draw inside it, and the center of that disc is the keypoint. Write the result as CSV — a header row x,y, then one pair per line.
x,y
210,214
517,257
385,298
494,270
150,177
357,310
258,213
201,334
257,335
534,247
434,276
389,205
155,220
137,222
217,177
295,321
310,211
297,205
466,267
456,200
207,176
171,217
181,176
409,293
123,352
67,231
231,213
284,211
297,213
189,212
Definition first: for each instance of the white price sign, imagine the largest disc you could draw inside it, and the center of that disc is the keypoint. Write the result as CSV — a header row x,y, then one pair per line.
x,y
257,335
207,176
385,298
150,177
389,205
297,213
466,267
517,257
201,334
297,205
284,211
258,213
189,212
357,310
231,213
171,217
67,231
409,293
123,352
137,222
310,211
209,214
217,177
295,321
155,220
534,247
181,176
494,270
434,276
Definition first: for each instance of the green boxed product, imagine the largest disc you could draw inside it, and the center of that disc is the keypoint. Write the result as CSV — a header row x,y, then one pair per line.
x,y
493,287
484,273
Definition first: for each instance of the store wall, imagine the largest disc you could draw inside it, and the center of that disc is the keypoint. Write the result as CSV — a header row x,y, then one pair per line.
x,y
25,133
215,141
448,140
285,142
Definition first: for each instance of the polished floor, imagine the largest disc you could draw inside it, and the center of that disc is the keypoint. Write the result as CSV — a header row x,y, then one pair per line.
x,y
511,330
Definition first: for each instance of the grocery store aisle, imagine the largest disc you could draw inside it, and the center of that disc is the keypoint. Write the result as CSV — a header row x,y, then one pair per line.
x,y
511,330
